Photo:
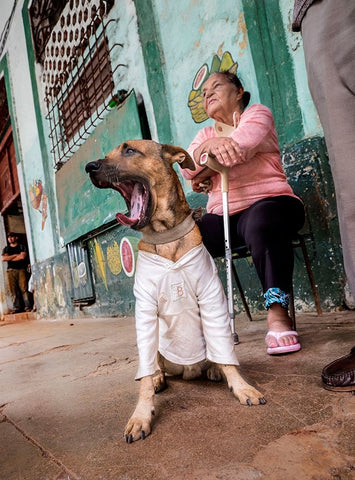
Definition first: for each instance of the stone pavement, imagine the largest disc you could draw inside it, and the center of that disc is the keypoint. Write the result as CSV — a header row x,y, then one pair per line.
x,y
67,391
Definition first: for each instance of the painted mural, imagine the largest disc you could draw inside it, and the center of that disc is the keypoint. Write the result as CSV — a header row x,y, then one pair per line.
x,y
39,200
123,257
195,100
113,254
116,257
100,262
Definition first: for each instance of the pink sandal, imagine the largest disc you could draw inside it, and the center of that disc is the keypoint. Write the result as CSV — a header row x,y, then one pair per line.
x,y
282,349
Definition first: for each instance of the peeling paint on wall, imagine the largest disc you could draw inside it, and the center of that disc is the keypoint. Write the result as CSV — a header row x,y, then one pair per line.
x,y
53,287
242,34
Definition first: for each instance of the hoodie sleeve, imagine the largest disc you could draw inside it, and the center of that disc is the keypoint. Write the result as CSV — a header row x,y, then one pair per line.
x,y
256,132
203,135
147,327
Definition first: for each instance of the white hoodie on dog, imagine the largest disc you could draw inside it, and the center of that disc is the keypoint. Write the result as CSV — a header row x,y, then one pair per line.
x,y
181,310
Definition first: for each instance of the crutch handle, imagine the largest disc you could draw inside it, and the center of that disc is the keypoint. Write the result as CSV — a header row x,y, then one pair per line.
x,y
211,162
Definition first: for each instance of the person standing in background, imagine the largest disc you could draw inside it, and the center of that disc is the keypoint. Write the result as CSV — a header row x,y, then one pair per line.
x,y
328,33
15,255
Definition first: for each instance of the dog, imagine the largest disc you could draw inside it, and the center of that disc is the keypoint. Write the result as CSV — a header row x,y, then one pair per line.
x,y
182,319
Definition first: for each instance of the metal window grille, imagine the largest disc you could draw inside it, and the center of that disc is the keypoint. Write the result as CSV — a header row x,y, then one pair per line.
x,y
44,14
77,74
84,96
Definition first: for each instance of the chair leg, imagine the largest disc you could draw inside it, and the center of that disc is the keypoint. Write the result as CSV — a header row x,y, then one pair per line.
x,y
242,296
292,309
310,275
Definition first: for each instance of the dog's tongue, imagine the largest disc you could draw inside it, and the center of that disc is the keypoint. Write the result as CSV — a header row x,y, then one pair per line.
x,y
136,207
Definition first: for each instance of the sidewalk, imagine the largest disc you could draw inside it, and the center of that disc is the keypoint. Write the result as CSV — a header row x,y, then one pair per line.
x,y
67,390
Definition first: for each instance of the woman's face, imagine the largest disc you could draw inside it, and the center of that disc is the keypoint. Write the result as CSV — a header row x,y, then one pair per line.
x,y
221,98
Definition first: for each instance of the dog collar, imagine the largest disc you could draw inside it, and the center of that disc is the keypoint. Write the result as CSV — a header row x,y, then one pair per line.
x,y
167,236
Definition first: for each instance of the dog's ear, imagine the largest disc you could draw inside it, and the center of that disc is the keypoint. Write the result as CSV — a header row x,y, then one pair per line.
x,y
178,154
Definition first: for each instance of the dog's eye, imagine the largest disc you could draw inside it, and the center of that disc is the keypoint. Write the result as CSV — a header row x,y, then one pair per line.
x,y
130,151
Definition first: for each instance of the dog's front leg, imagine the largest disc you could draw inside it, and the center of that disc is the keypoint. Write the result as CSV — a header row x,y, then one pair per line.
x,y
241,389
139,425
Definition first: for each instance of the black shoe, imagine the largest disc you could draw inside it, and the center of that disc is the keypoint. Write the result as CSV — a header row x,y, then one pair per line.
x,y
339,376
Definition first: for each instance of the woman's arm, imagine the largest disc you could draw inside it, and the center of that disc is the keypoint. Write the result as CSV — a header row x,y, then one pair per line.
x,y
256,132
225,149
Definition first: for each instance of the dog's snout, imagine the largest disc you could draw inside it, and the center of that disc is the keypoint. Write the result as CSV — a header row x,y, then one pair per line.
x,y
93,167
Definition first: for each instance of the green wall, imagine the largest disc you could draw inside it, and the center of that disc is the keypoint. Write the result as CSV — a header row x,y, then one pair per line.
x,y
82,207
274,67
163,47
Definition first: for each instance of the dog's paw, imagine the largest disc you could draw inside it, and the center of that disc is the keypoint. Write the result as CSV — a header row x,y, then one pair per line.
x,y
159,382
248,395
214,374
137,429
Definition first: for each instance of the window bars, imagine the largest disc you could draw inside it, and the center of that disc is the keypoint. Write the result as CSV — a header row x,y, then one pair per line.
x,y
78,77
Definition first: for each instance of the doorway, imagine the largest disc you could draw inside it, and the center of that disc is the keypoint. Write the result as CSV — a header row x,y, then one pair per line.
x,y
10,196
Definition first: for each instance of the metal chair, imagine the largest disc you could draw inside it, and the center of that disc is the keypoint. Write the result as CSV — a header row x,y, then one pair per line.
x,y
298,242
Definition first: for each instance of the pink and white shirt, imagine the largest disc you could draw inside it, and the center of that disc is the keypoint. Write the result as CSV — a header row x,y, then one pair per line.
x,y
259,173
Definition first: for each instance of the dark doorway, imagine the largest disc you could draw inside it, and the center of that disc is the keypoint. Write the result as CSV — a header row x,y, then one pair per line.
x,y
10,196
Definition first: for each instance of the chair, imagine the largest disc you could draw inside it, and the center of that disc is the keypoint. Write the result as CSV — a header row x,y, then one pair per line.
x,y
298,242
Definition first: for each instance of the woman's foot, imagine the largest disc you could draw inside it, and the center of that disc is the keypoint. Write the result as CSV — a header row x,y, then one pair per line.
x,y
280,337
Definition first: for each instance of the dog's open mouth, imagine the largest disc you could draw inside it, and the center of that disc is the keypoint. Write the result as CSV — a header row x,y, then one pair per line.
x,y
137,197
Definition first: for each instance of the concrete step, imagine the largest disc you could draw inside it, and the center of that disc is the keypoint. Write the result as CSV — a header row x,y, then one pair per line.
x,y
18,317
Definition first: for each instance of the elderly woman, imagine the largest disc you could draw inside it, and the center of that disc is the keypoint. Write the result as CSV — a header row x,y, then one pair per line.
x,y
265,214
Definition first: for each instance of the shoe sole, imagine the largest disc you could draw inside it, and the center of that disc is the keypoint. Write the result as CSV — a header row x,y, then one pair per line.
x,y
347,388
283,350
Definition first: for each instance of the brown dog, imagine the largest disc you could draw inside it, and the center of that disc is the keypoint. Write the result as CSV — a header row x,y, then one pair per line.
x,y
141,171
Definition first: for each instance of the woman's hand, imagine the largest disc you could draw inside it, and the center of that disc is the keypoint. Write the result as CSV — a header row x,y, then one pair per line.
x,y
201,186
202,183
226,150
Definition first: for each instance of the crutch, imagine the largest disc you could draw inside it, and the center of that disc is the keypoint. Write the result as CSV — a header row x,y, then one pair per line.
x,y
207,160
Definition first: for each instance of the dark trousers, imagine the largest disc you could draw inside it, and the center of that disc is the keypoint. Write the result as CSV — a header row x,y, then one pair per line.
x,y
267,228
17,279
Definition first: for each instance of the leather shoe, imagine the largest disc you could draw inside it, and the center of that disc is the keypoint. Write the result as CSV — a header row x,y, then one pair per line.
x,y
339,376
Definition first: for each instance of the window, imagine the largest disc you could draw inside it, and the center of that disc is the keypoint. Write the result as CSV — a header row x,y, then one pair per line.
x,y
71,44
90,90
